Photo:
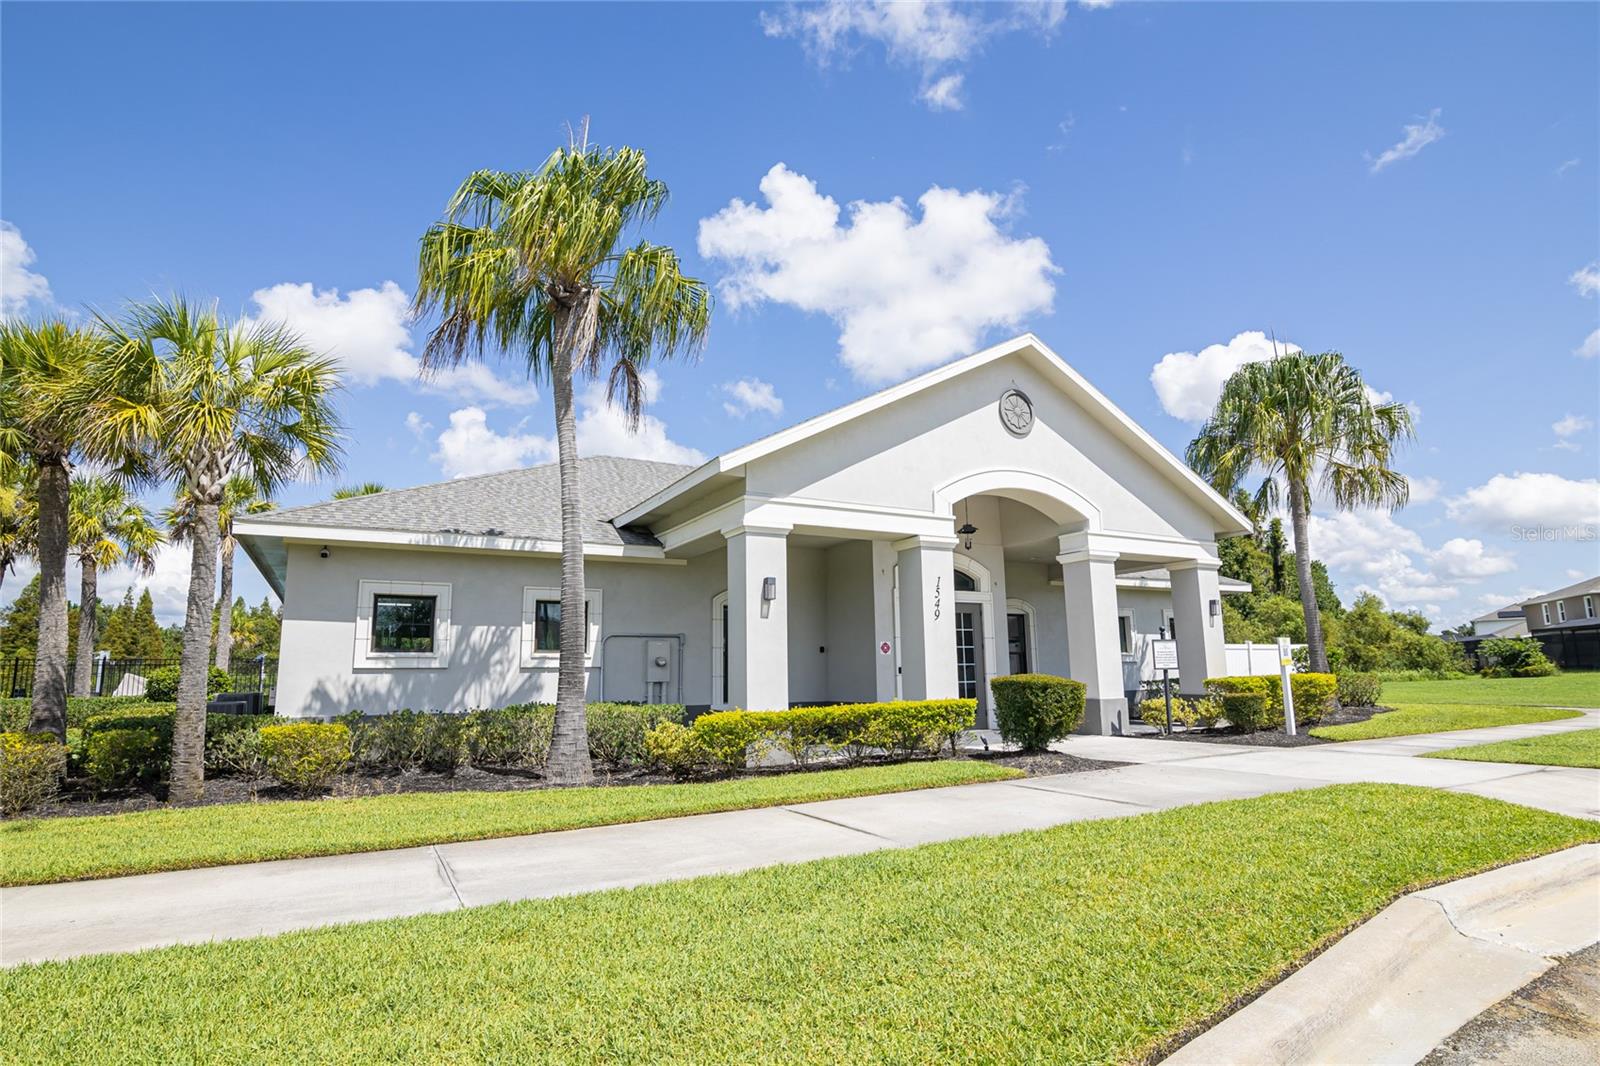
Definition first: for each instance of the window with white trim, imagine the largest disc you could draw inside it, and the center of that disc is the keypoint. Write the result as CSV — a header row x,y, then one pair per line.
x,y
1544,612
402,625
541,625
1561,610
1588,606
1125,631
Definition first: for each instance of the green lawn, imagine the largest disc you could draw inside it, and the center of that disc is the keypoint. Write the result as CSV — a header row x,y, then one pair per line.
x,y
70,849
1092,942
1581,747
1408,719
1574,689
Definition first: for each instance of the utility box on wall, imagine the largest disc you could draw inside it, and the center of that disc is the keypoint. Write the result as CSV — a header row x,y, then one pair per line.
x,y
660,667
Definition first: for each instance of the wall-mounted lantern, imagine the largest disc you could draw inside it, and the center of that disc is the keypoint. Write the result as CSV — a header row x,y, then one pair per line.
x,y
769,589
967,528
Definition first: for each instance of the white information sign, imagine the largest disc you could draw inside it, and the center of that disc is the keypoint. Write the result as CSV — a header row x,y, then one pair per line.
x,y
1164,654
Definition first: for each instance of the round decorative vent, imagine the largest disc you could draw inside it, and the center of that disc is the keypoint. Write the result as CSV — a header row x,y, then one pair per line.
x,y
1016,412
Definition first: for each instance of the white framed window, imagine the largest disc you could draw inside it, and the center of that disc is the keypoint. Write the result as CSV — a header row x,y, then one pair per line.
x,y
1544,612
1561,610
1588,606
1021,611
719,651
541,626
403,625
1125,631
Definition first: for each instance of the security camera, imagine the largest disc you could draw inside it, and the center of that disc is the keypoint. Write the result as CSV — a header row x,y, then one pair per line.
x,y
324,551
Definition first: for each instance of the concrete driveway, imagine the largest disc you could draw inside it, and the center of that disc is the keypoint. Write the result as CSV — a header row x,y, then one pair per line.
x,y
130,913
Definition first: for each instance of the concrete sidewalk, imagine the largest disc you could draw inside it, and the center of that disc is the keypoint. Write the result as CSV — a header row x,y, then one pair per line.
x,y
130,913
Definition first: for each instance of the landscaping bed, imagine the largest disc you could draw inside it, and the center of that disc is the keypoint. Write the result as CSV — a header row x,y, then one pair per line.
x,y
1091,942
1273,738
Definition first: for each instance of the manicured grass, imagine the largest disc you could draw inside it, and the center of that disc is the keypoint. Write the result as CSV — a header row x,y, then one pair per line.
x,y
70,849
1581,747
1408,719
1092,942
1574,689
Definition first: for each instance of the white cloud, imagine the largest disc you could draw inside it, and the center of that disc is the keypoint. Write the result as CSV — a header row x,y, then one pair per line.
x,y
1586,279
1418,136
416,425
1575,575
1561,170
1465,558
18,285
1568,427
907,292
1528,500
1188,383
748,395
936,39
470,446
1424,489
368,331
1590,348
1368,551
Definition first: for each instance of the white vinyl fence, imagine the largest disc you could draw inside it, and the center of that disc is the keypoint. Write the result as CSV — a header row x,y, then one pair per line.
x,y
1261,659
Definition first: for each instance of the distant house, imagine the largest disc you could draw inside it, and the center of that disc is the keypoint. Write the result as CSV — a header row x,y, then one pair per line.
x,y
1567,623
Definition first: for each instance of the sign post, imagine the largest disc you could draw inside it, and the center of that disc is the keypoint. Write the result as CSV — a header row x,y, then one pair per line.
x,y
1164,657
1285,662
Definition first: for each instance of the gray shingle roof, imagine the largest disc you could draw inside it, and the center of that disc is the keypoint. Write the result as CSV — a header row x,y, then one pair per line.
x,y
512,503
1591,584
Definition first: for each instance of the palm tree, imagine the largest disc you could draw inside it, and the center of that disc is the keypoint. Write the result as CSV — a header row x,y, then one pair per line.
x,y
42,366
240,496
105,526
1298,417
533,263
211,399
365,488
18,525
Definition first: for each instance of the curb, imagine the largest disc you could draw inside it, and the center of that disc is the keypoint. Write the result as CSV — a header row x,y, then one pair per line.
x,y
1424,966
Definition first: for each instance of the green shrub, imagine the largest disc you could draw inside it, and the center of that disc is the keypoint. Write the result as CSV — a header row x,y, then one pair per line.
x,y
161,684
1245,711
1515,657
305,756
726,736
1034,709
236,752
129,757
15,711
617,730
675,749
1359,690
31,766
518,735
1422,675
1313,698
1189,712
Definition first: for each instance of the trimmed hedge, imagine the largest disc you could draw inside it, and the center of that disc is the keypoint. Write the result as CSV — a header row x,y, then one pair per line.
x,y
514,736
306,756
31,766
1188,712
1313,697
1359,690
1034,709
727,741
161,685
14,711
133,747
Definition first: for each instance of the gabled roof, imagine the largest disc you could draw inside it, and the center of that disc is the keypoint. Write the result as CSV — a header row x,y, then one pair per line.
x,y
1071,382
1586,586
524,503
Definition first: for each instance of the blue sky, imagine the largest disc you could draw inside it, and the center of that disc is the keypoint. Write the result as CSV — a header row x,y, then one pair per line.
x,y
1143,185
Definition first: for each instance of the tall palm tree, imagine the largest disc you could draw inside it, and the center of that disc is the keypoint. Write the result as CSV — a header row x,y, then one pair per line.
x,y
534,264
240,496
365,488
211,399
42,365
1301,417
18,517
106,525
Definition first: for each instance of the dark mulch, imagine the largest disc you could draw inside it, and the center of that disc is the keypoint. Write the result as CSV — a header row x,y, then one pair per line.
x,y
1273,738
1043,763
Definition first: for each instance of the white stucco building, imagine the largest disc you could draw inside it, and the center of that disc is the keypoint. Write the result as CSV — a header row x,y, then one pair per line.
x,y
995,515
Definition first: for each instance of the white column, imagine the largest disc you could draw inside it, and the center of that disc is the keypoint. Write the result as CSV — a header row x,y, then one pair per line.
x,y
1094,653
884,558
1200,643
927,618
758,629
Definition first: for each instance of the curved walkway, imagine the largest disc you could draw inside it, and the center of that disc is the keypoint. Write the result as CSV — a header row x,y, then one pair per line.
x,y
40,922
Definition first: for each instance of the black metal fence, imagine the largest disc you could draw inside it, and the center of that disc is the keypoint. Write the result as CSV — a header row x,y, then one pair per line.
x,y
126,677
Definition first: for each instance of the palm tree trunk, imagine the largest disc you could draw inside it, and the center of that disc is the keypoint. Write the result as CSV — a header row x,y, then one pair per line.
x,y
1299,514
49,712
189,723
88,629
225,607
569,747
